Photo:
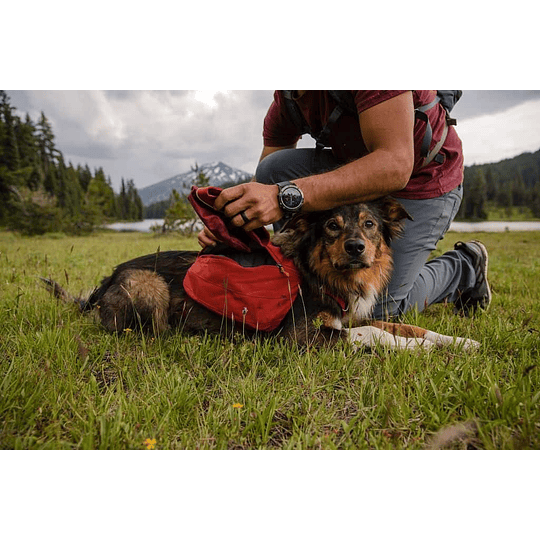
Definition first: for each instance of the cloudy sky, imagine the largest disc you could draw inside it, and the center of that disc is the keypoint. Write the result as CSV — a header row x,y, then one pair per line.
x,y
150,136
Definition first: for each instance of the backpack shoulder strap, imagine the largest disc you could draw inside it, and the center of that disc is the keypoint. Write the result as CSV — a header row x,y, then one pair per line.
x,y
346,100
344,105
447,98
420,114
295,113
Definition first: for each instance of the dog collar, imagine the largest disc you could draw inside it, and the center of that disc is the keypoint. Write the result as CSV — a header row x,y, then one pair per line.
x,y
340,301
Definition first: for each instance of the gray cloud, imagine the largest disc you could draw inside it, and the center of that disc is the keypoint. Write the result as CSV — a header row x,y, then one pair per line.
x,y
480,102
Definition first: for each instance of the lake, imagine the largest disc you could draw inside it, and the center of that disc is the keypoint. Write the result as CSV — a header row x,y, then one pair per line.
x,y
139,226
495,226
457,226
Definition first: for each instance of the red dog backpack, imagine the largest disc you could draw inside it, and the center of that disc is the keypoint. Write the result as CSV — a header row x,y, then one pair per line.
x,y
245,279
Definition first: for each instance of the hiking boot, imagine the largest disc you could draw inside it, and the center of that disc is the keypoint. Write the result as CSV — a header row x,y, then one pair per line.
x,y
480,295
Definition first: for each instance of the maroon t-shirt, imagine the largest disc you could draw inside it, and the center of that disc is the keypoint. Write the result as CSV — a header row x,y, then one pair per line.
x,y
346,138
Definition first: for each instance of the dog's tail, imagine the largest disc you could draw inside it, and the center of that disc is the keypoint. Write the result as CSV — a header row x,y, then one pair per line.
x,y
61,294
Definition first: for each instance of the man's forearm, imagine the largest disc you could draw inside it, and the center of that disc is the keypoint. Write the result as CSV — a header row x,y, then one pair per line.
x,y
375,175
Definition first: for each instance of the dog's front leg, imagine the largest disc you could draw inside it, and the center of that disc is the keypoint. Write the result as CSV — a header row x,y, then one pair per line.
x,y
370,336
439,340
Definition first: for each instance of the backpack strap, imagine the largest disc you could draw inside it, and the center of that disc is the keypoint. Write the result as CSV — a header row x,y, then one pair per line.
x,y
434,154
447,98
345,104
295,113
322,139
420,114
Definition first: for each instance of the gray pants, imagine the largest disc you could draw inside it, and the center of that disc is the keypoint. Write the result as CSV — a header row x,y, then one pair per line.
x,y
416,282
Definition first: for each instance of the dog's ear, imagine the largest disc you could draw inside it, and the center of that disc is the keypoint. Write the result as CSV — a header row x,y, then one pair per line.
x,y
292,234
393,216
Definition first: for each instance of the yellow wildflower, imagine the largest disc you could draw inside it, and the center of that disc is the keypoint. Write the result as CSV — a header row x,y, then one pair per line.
x,y
150,444
237,406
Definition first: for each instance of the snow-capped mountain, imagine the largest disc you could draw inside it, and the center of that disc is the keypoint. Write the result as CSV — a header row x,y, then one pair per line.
x,y
217,172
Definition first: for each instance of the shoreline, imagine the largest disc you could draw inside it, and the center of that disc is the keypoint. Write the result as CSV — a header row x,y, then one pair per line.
x,y
457,226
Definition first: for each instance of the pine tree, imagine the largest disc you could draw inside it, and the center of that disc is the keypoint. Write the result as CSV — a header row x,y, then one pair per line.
x,y
13,176
9,157
100,195
123,201
135,205
70,195
491,184
85,177
534,200
47,151
475,202
26,139
518,189
504,198
5,180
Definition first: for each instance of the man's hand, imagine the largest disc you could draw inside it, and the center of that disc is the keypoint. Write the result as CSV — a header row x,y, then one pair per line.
x,y
206,238
250,205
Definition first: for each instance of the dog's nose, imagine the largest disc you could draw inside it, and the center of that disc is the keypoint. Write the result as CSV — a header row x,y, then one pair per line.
x,y
354,247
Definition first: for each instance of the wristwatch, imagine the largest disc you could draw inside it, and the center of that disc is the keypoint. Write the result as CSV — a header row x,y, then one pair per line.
x,y
290,198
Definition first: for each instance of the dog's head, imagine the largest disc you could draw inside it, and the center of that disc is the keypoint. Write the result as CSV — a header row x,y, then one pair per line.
x,y
345,243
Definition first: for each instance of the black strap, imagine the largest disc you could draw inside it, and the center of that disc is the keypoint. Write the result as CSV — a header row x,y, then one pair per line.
x,y
295,113
324,136
321,138
343,106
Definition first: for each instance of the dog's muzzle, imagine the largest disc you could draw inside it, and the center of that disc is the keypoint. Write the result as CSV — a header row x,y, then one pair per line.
x,y
353,256
355,247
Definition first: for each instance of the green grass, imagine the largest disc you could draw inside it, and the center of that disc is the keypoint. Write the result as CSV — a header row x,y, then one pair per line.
x,y
67,384
511,213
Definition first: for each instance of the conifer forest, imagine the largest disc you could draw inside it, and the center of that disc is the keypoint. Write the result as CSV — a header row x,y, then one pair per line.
x,y
42,193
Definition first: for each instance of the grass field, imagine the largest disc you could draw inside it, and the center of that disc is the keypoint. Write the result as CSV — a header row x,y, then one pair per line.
x,y
66,384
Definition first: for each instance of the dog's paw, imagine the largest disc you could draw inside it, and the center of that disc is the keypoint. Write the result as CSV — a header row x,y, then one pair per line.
x,y
370,336
468,344
441,341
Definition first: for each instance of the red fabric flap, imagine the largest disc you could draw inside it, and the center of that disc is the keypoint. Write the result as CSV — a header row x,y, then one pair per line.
x,y
202,200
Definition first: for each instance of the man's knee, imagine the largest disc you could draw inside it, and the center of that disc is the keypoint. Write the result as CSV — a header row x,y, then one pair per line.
x,y
293,163
268,168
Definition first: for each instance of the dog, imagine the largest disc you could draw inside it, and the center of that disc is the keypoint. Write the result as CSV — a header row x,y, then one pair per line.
x,y
345,261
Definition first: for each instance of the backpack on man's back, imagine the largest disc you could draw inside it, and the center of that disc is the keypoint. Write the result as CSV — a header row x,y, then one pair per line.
x,y
345,105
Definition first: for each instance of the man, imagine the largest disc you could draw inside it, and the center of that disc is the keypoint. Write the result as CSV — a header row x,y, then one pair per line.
x,y
375,151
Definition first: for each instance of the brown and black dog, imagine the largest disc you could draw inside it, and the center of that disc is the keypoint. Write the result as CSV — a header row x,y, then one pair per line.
x,y
343,256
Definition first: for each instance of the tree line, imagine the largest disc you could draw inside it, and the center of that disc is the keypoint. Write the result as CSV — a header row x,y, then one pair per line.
x,y
41,193
503,188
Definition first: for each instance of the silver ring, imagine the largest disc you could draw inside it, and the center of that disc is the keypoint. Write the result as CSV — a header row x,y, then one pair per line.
x,y
244,217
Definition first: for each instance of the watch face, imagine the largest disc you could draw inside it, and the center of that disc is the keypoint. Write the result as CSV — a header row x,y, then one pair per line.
x,y
291,198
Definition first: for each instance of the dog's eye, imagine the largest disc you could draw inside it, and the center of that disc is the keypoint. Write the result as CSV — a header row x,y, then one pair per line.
x,y
369,224
333,225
